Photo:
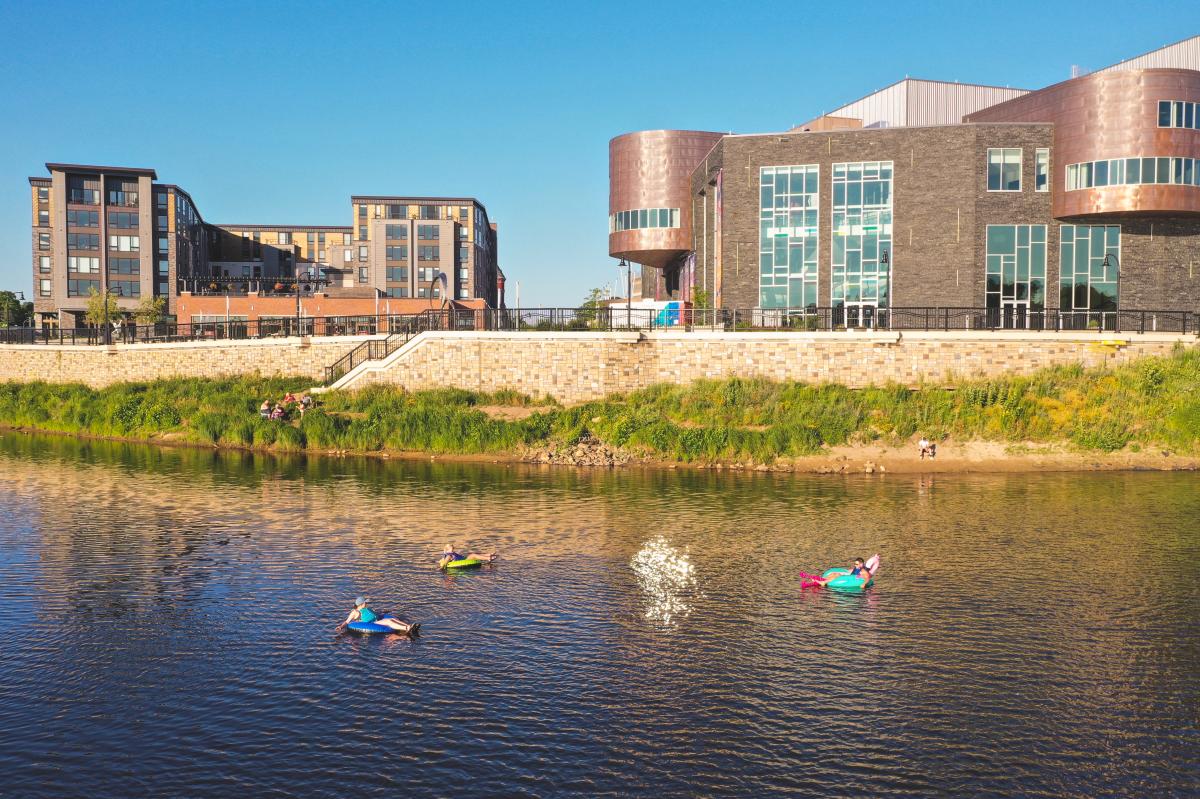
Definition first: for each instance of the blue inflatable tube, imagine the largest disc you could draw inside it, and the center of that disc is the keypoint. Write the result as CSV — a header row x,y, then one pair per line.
x,y
845,583
370,627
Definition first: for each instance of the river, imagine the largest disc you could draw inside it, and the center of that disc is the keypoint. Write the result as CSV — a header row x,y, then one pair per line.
x,y
167,629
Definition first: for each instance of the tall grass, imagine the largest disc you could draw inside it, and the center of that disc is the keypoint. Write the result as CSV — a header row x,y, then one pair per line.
x,y
1154,401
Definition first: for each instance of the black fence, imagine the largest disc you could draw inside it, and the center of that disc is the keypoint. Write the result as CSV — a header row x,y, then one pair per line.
x,y
398,328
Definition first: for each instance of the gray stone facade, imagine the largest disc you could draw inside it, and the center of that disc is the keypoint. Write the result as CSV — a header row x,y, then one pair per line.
x,y
941,210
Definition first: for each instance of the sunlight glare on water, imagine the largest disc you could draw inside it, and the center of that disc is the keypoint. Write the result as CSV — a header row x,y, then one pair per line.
x,y
667,580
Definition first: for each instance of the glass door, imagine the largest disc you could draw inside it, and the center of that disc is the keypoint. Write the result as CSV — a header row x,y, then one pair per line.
x,y
1014,315
860,314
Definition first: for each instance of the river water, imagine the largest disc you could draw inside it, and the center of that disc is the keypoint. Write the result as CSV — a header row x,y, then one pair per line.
x,y
167,615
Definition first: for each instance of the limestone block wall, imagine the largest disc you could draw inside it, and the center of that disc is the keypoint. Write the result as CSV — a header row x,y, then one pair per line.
x,y
576,367
99,366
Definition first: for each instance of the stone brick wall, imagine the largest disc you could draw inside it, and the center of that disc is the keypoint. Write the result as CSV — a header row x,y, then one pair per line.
x,y
576,367
102,366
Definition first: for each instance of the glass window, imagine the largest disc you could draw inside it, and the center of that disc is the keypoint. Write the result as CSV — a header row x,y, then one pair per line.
x,y
285,238
44,287
1089,258
43,218
362,231
163,245
346,239
43,194
1004,169
429,212
43,263
1164,113
862,235
362,253
788,236
1163,173
1041,169
362,274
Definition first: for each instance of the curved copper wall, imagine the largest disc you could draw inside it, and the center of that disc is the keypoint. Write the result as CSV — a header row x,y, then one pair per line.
x,y
1111,115
653,169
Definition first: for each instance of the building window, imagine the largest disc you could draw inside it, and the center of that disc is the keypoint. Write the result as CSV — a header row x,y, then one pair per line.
x,y
788,208
163,244
428,253
43,263
1004,169
83,219
362,212
362,232
126,288
164,268
1178,114
43,241
44,287
347,256
464,211
638,218
123,198
82,288
1133,172
83,264
121,219
397,291
428,232
160,201
162,222
43,218
397,211
83,241
396,231
321,239
124,266
1089,263
362,274
398,252
463,294
1016,267
429,212
43,194
124,243
1041,169
346,239
397,274
321,256
84,196
285,238
362,253
862,236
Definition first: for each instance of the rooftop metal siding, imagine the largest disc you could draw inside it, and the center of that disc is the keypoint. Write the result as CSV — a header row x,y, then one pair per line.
x,y
933,103
886,105
1181,55
924,102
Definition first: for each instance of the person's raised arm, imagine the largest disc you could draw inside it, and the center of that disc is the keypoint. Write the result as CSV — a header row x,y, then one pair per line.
x,y
349,619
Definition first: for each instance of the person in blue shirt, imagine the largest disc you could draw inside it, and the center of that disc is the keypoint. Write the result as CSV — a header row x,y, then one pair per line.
x,y
363,613
859,569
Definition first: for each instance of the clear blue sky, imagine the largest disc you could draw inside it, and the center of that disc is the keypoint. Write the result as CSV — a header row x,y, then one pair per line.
x,y
278,112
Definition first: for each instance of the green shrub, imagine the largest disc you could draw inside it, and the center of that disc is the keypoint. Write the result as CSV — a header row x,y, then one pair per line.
x,y
289,439
209,427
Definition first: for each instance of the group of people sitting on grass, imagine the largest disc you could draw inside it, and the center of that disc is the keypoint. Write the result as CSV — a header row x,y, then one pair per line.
x,y
281,411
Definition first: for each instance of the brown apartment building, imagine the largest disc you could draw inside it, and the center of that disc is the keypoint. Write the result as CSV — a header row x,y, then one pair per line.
x,y
1081,198
116,229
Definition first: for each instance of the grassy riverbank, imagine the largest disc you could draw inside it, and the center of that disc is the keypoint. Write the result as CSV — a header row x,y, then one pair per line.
x,y
1152,403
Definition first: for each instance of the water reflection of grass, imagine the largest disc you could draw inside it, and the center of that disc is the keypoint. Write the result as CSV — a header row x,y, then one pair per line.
x,y
1155,401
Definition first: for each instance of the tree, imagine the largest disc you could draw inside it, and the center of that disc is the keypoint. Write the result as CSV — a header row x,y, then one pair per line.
x,y
96,314
700,298
149,310
13,312
587,312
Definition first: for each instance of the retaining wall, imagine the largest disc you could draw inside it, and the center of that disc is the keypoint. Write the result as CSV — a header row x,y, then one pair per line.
x,y
575,367
100,366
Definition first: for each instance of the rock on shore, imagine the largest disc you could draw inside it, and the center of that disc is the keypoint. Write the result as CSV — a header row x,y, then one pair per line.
x,y
587,451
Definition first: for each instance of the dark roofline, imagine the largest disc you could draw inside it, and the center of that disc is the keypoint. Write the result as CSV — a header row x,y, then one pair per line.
x,y
230,226
185,193
386,197
38,181
128,170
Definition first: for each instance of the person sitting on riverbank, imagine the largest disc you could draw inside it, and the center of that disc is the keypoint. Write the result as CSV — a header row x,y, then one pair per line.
x,y
264,410
449,555
289,398
304,404
363,613
859,569
277,413
923,447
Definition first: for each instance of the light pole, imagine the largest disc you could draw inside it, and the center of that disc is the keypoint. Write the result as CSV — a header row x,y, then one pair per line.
x,y
628,291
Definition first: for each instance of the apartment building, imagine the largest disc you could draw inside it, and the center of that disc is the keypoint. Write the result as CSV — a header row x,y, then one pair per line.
x,y
116,229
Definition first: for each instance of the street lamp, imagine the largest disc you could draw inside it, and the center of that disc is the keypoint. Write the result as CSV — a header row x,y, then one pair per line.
x,y
107,329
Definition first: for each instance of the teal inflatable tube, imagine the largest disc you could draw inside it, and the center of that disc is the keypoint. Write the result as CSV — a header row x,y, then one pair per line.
x,y
845,583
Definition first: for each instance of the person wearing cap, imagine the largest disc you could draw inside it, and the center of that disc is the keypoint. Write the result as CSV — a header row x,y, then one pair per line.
x,y
363,613
450,554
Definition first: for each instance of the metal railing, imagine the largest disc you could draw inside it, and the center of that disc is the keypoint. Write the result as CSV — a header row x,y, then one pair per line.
x,y
398,328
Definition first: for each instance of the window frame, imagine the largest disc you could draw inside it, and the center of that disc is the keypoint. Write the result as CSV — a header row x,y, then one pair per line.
x,y
1020,151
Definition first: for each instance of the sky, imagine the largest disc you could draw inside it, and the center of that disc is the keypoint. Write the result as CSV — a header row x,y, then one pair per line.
x,y
275,113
